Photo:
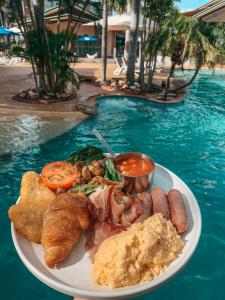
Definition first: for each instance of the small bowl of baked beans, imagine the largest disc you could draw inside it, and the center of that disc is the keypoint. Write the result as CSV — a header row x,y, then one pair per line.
x,y
136,171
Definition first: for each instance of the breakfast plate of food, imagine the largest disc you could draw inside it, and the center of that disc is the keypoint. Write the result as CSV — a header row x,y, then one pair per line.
x,y
102,227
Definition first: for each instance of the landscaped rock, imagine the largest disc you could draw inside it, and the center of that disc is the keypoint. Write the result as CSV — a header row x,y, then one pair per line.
x,y
87,108
124,86
64,95
23,95
122,82
104,83
32,95
42,101
113,83
57,95
51,95
77,78
97,82
177,83
137,91
70,90
137,84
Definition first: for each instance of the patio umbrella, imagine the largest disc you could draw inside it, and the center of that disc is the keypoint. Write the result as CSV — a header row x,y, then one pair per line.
x,y
7,32
87,38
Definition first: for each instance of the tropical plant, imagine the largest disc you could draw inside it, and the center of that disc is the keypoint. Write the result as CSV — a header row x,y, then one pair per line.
x,y
186,39
134,27
199,46
154,13
49,53
179,37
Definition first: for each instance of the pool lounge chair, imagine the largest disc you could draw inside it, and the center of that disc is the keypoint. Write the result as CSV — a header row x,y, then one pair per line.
x,y
137,68
92,57
121,67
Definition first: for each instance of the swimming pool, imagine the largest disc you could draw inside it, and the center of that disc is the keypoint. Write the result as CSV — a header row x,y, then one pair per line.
x,y
187,138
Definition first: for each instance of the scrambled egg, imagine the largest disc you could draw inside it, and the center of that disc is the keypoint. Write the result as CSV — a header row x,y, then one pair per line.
x,y
138,254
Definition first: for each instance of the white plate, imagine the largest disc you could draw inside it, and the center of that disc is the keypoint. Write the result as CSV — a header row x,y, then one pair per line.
x,y
74,276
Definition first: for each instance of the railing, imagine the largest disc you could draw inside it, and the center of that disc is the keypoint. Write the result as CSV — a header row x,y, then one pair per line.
x,y
84,48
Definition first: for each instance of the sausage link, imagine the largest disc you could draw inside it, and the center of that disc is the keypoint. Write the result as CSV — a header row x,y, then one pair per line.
x,y
177,210
160,203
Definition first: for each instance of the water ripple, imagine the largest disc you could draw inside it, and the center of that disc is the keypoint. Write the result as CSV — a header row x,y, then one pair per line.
x,y
187,138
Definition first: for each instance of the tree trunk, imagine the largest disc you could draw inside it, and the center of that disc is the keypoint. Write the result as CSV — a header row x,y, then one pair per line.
x,y
168,80
142,56
151,76
104,39
190,81
126,46
127,35
134,26
150,71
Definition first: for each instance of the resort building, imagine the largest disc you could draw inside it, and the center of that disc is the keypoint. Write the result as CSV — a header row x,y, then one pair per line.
x,y
88,32
212,12
91,27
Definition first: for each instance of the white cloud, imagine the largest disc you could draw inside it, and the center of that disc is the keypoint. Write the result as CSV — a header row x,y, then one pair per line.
x,y
187,9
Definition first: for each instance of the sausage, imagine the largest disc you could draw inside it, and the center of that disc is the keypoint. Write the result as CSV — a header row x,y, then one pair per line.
x,y
177,210
160,203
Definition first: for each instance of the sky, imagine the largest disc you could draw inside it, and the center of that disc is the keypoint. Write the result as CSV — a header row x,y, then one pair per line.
x,y
191,4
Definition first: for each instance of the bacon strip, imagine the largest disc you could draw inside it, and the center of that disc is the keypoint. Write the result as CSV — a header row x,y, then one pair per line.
x,y
98,232
114,211
100,201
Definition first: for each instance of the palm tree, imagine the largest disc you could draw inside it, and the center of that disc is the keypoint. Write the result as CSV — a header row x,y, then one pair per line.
x,y
199,46
185,39
127,34
49,53
104,38
154,13
134,27
119,6
4,4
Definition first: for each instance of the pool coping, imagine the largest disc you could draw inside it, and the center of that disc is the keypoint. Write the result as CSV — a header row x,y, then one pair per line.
x,y
87,96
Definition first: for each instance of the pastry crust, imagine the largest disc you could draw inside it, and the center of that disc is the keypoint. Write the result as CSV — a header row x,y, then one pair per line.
x,y
27,215
63,220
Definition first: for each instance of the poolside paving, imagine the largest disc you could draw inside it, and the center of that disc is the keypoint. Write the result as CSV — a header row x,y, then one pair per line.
x,y
27,125
14,78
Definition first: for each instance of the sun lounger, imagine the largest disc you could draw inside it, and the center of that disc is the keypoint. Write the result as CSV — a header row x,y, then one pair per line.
x,y
15,60
137,64
137,68
121,67
92,57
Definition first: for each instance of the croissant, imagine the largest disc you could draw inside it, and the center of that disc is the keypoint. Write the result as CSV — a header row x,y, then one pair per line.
x,y
65,217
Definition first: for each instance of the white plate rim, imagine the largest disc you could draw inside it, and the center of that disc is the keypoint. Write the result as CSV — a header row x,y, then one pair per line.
x,y
130,291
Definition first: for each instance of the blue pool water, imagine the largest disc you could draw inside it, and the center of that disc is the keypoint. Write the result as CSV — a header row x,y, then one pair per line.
x,y
188,138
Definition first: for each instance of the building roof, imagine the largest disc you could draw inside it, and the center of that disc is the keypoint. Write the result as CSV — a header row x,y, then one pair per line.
x,y
212,12
199,9
119,22
91,13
